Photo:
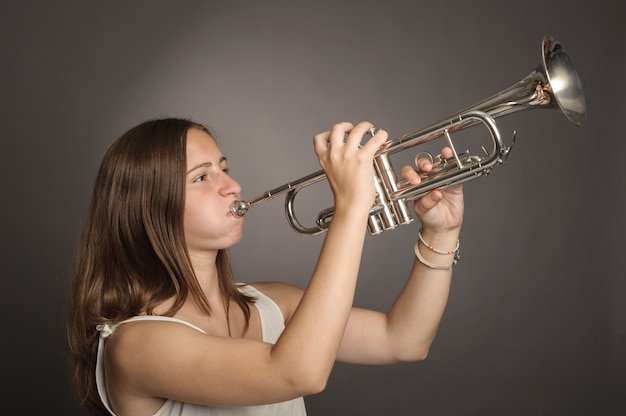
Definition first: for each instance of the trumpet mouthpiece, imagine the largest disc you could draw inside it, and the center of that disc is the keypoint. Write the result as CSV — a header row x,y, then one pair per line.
x,y
239,208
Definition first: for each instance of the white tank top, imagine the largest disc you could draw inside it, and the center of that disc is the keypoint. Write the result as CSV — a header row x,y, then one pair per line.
x,y
272,325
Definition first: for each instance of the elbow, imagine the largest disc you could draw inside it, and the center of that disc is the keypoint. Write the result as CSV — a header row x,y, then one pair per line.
x,y
412,358
314,383
308,381
316,386
421,355
411,349
413,354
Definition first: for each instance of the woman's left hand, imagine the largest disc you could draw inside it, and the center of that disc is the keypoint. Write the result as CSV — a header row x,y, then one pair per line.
x,y
441,209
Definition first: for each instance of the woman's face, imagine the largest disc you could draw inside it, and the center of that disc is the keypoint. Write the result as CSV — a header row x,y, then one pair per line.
x,y
209,191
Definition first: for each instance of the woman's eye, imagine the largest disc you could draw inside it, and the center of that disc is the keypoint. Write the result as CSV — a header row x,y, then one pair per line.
x,y
200,178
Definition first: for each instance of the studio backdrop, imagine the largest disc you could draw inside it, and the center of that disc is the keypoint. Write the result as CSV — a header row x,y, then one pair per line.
x,y
536,320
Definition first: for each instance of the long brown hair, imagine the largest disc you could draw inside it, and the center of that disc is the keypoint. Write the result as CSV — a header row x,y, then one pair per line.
x,y
132,253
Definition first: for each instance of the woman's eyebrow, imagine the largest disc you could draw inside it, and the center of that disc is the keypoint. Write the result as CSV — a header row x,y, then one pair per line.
x,y
205,165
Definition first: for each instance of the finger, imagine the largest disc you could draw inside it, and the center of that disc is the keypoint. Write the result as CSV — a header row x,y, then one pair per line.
x,y
338,133
424,161
446,153
355,136
425,165
411,175
320,142
376,141
428,201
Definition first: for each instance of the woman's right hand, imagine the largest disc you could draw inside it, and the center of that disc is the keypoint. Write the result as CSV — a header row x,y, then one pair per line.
x,y
348,163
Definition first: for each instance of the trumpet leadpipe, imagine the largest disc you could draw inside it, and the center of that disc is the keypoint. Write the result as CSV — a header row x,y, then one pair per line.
x,y
239,208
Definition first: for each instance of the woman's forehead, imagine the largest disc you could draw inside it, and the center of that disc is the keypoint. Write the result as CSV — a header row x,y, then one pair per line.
x,y
202,148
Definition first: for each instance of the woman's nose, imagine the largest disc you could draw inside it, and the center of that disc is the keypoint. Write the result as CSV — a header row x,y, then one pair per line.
x,y
230,186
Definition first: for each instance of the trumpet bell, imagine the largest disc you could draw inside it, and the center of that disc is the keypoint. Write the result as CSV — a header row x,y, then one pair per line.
x,y
563,81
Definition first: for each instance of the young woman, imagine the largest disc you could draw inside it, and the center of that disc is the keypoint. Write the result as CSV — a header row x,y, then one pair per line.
x,y
157,324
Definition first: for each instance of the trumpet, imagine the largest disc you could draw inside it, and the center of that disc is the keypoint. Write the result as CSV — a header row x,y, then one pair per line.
x,y
554,83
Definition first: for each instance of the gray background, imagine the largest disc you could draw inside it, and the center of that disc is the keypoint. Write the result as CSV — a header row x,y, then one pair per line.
x,y
535,323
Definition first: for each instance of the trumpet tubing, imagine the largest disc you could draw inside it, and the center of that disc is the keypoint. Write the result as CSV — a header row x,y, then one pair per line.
x,y
553,84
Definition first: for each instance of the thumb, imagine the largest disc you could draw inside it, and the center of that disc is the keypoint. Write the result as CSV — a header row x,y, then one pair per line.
x,y
428,201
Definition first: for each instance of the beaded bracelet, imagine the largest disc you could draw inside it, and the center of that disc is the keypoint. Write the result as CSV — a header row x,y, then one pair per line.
x,y
429,264
456,249
422,260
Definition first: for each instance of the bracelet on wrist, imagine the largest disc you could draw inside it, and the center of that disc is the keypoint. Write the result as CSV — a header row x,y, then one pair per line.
x,y
427,263
432,265
431,248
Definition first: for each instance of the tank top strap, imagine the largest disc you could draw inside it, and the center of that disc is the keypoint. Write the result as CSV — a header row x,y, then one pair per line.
x,y
106,330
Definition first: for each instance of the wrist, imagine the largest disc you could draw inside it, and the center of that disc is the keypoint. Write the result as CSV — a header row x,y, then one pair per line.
x,y
441,249
346,214
444,240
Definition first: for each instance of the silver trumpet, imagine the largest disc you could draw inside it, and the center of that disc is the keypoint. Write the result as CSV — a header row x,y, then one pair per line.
x,y
553,84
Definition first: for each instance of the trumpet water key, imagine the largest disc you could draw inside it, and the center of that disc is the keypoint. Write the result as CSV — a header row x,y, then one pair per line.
x,y
553,84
